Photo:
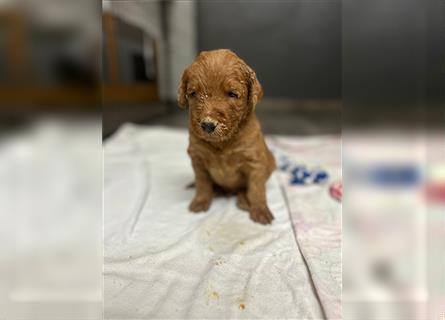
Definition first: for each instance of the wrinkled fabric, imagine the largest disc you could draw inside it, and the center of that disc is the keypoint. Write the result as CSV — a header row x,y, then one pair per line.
x,y
315,213
163,262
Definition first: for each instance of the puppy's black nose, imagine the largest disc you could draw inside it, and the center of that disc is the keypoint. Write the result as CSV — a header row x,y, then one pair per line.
x,y
208,126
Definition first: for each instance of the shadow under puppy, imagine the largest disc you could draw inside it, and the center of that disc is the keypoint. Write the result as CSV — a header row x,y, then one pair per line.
x,y
227,147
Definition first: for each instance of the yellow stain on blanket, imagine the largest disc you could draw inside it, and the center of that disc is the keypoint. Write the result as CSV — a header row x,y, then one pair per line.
x,y
211,293
228,236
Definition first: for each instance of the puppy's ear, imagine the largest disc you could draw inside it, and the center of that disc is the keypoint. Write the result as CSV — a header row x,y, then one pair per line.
x,y
255,89
182,91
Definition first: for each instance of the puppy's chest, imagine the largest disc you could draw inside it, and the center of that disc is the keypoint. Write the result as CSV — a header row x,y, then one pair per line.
x,y
227,169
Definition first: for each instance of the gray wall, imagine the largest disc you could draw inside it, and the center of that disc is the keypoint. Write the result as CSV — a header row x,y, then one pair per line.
x,y
295,47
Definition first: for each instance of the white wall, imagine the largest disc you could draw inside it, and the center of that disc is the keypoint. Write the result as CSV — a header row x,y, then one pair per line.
x,y
182,40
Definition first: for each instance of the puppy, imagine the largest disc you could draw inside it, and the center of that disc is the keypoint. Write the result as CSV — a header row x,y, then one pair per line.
x,y
226,146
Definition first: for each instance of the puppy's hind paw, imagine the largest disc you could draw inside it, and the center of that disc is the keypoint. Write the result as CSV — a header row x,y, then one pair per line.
x,y
242,201
261,215
199,205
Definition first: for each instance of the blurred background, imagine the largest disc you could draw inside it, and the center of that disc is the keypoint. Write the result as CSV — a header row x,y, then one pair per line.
x,y
50,57
294,47
393,159
50,160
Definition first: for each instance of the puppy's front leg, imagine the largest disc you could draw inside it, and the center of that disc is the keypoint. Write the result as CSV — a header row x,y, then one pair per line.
x,y
204,188
256,194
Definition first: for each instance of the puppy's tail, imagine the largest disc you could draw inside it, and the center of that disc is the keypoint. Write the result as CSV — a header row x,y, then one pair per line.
x,y
191,185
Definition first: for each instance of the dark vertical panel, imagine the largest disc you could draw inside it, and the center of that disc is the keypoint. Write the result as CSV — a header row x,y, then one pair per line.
x,y
295,47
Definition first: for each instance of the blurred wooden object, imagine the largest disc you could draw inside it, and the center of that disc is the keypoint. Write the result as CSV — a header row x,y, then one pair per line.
x,y
111,53
21,90
114,90
20,87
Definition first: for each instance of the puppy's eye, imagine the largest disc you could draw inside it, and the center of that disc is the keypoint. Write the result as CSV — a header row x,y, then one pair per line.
x,y
192,94
233,94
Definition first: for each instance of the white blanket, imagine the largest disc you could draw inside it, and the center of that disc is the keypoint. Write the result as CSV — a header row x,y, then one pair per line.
x,y
162,261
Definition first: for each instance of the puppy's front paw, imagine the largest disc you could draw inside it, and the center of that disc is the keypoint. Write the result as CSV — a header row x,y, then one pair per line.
x,y
261,215
242,201
199,204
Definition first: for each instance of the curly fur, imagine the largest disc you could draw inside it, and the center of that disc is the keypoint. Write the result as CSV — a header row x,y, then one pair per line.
x,y
221,89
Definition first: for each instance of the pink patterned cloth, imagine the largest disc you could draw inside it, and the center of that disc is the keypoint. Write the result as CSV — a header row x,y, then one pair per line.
x,y
336,190
315,214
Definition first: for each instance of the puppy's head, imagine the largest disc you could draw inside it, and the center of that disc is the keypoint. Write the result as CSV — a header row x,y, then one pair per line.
x,y
221,91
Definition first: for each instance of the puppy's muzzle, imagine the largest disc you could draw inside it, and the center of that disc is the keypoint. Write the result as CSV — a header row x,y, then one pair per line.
x,y
208,126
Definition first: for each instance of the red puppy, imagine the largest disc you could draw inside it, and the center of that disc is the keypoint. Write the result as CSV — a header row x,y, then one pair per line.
x,y
227,147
